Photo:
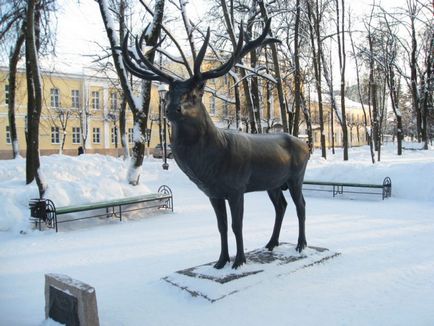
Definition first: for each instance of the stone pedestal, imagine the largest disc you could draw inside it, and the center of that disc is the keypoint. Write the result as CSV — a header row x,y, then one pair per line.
x,y
69,301
262,265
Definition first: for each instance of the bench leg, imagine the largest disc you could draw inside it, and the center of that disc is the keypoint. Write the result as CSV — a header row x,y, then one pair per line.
x,y
338,190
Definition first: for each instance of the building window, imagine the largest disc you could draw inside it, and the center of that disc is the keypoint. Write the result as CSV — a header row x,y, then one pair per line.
x,y
212,106
8,135
6,94
75,98
114,135
130,135
55,135
76,135
95,100
114,101
96,136
54,94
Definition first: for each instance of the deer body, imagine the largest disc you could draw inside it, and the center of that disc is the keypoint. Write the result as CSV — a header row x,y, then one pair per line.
x,y
223,164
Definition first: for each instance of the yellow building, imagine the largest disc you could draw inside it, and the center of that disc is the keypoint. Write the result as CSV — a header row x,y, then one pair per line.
x,y
78,110
355,123
82,110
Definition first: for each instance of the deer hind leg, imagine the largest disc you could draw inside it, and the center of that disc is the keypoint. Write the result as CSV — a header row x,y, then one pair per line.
x,y
236,203
297,196
279,202
222,222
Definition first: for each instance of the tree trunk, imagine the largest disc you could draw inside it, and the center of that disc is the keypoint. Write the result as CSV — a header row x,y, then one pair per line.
x,y
297,77
342,62
34,102
390,76
413,77
237,102
254,89
245,83
365,118
328,76
123,110
373,94
139,109
427,87
317,71
13,62
277,74
123,129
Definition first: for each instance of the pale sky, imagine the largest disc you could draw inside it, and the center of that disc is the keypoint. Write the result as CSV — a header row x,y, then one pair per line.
x,y
80,29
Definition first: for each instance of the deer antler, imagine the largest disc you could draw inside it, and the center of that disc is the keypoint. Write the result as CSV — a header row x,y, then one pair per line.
x,y
140,66
135,64
239,52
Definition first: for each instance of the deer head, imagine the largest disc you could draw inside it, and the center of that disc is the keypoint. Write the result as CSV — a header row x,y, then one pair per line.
x,y
184,98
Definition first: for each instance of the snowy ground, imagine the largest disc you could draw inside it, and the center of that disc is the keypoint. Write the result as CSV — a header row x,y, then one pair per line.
x,y
384,275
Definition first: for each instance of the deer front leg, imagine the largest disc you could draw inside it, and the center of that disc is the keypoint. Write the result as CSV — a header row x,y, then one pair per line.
x,y
222,222
236,204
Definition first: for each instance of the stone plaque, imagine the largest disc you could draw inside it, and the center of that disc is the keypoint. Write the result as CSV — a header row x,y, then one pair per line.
x,y
63,307
70,302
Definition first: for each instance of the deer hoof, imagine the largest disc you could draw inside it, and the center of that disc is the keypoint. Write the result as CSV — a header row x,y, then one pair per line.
x,y
239,260
271,244
221,262
301,245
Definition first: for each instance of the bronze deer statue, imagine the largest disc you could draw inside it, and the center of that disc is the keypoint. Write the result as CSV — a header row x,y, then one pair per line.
x,y
225,164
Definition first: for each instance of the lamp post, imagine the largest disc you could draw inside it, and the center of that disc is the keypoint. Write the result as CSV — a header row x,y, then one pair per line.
x,y
162,90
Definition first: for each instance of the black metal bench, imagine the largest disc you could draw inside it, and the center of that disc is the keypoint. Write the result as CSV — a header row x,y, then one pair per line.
x,y
337,188
44,210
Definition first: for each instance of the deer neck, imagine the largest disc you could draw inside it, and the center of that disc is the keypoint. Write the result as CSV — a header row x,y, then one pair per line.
x,y
189,132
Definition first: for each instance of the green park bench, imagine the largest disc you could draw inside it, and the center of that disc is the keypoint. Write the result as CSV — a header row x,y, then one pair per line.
x,y
338,188
44,210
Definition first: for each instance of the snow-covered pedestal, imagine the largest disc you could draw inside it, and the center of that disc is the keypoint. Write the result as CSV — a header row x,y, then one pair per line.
x,y
213,284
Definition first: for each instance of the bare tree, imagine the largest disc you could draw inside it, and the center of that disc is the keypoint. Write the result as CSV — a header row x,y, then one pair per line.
x,y
314,29
13,62
297,70
368,132
388,61
342,64
34,99
12,31
229,22
277,73
139,108
418,51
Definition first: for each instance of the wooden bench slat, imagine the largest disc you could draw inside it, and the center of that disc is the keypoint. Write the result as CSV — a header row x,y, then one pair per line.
x,y
44,210
338,187
346,184
110,203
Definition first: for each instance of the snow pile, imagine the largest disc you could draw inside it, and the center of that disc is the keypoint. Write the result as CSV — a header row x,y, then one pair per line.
x,y
412,174
71,180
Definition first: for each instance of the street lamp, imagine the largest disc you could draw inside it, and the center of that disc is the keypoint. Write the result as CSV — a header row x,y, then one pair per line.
x,y
162,90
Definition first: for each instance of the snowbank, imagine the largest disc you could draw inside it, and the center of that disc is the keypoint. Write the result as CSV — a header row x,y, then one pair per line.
x,y
86,178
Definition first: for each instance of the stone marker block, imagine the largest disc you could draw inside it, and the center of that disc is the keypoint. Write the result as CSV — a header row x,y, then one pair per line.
x,y
69,301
